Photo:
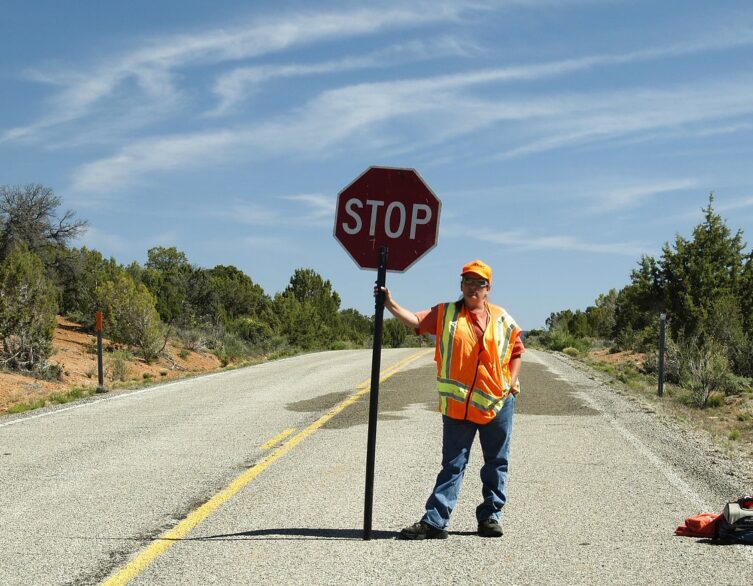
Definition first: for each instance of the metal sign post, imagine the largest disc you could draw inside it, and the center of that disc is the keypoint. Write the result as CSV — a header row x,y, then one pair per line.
x,y
376,359
100,368
662,343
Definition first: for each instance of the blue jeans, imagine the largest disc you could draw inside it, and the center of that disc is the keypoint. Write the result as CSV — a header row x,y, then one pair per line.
x,y
457,439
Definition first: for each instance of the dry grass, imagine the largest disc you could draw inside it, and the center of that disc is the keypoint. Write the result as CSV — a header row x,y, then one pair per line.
x,y
75,352
727,419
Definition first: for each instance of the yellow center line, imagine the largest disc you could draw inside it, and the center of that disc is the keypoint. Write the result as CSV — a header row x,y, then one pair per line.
x,y
278,438
165,541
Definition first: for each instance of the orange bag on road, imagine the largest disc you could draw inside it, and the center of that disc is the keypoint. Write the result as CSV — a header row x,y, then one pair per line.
x,y
701,525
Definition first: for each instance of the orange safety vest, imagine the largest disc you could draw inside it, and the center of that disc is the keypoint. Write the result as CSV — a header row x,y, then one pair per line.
x,y
473,378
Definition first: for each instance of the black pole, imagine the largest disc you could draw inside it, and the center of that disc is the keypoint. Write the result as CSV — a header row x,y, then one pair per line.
x,y
99,360
662,339
100,369
374,394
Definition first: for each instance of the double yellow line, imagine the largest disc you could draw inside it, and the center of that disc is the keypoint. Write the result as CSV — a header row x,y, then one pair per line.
x,y
165,541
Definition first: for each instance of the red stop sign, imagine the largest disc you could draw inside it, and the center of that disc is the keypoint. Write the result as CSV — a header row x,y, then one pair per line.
x,y
387,207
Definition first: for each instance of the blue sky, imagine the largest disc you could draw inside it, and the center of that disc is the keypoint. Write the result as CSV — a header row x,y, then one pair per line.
x,y
565,138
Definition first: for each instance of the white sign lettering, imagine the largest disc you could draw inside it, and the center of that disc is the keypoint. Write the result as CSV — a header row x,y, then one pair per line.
x,y
374,203
349,210
395,217
388,220
415,220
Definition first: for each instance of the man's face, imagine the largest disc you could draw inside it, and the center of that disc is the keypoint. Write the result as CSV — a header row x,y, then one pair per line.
x,y
475,290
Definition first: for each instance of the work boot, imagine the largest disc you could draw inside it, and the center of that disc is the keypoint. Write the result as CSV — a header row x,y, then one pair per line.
x,y
423,530
490,528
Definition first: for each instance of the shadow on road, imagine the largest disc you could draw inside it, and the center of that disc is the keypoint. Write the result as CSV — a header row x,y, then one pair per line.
x,y
297,533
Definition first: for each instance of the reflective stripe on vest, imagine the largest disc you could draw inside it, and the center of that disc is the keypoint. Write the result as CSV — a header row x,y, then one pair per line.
x,y
447,339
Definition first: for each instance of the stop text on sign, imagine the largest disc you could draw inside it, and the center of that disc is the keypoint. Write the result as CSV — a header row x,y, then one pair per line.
x,y
394,219
387,207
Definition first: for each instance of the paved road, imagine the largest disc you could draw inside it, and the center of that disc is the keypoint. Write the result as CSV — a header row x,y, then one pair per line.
x,y
597,485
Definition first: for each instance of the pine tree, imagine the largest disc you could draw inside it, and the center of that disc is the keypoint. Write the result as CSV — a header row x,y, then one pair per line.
x,y
696,274
27,310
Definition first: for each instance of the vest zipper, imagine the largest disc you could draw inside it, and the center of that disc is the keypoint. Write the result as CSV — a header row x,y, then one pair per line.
x,y
478,359
473,384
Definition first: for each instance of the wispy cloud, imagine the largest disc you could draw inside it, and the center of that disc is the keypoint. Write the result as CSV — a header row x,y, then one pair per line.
x,y
121,170
369,112
432,111
238,84
409,115
248,213
152,67
738,204
318,209
306,209
520,240
610,200
637,114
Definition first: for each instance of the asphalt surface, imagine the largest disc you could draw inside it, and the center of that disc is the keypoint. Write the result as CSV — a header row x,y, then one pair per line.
x,y
597,485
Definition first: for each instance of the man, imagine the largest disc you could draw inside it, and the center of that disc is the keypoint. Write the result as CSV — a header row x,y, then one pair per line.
x,y
478,356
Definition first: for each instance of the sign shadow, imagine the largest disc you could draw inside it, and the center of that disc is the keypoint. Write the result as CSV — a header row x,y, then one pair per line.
x,y
293,533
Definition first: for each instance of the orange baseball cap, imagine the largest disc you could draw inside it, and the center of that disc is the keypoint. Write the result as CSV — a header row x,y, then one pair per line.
x,y
478,267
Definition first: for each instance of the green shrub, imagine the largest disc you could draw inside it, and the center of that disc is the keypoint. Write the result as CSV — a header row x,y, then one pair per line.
x,y
604,367
704,368
559,340
643,340
117,368
629,375
23,407
736,385
55,398
254,332
51,372
68,396
27,310
734,435
339,345
570,351
233,349
193,339
413,341
672,362
130,316
714,400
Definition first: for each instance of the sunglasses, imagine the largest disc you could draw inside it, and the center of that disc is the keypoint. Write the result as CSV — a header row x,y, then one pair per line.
x,y
475,281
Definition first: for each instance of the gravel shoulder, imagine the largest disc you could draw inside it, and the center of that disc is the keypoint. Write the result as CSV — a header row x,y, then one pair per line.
x,y
720,474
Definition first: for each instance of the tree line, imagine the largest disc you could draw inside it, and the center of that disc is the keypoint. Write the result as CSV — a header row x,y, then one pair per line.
x,y
704,287
218,309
